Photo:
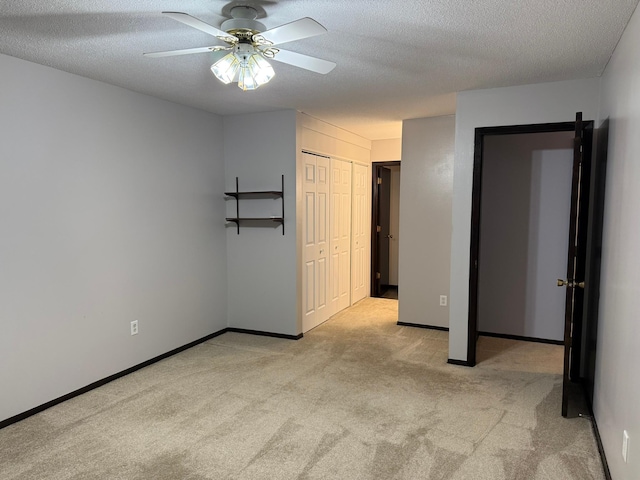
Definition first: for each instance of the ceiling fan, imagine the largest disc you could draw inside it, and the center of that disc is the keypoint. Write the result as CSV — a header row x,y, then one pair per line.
x,y
249,44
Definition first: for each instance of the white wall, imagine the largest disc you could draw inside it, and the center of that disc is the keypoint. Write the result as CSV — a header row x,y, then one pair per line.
x,y
617,385
325,139
526,104
111,211
259,149
525,208
387,150
425,219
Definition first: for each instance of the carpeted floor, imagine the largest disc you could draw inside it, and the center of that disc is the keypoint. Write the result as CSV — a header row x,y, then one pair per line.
x,y
357,398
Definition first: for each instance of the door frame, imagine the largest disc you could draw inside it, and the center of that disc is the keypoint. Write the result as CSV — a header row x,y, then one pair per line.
x,y
375,215
480,133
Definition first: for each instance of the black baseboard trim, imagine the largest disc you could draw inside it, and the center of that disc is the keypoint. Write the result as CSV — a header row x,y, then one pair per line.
x,y
462,363
419,325
596,432
115,376
521,338
264,334
603,457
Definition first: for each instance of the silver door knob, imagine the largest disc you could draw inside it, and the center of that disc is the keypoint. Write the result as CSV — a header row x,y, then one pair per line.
x,y
389,236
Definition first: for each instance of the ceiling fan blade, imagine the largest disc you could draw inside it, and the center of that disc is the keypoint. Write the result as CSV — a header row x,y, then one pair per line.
x,y
303,28
186,51
200,25
304,61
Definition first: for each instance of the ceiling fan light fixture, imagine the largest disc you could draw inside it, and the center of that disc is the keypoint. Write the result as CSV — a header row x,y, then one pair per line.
x,y
261,70
254,71
244,64
250,46
226,68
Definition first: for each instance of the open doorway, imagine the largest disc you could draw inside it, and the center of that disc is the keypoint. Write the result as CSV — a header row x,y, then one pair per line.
x,y
476,263
385,229
525,206
579,283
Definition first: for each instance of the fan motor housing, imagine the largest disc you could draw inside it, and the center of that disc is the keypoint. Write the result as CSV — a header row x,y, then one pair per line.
x,y
243,22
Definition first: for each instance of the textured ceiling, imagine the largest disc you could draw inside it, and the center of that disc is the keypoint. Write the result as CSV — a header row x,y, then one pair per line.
x,y
396,59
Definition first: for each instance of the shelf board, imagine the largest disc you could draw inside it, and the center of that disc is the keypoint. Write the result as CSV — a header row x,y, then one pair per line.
x,y
255,219
259,194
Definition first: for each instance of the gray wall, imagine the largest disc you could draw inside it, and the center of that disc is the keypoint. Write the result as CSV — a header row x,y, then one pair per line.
x,y
259,149
525,206
111,210
617,387
425,219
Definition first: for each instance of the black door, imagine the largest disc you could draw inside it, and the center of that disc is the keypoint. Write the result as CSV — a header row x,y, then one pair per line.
x,y
381,234
576,258
384,234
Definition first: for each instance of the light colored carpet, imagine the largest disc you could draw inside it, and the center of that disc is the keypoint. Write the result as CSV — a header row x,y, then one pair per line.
x,y
357,398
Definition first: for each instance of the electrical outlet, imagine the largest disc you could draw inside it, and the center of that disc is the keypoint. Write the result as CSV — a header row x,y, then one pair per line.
x,y
443,300
134,327
625,445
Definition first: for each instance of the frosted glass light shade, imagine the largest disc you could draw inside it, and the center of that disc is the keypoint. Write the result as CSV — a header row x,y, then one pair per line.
x,y
261,70
226,68
250,69
246,80
255,71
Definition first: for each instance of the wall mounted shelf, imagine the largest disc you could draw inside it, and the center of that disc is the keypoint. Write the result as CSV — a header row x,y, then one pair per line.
x,y
261,194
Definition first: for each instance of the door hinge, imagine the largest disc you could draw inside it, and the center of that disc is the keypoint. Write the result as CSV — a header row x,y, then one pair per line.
x,y
378,228
379,180
378,276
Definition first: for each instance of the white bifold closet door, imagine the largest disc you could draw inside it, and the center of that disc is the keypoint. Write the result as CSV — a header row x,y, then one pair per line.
x,y
360,235
340,236
316,241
